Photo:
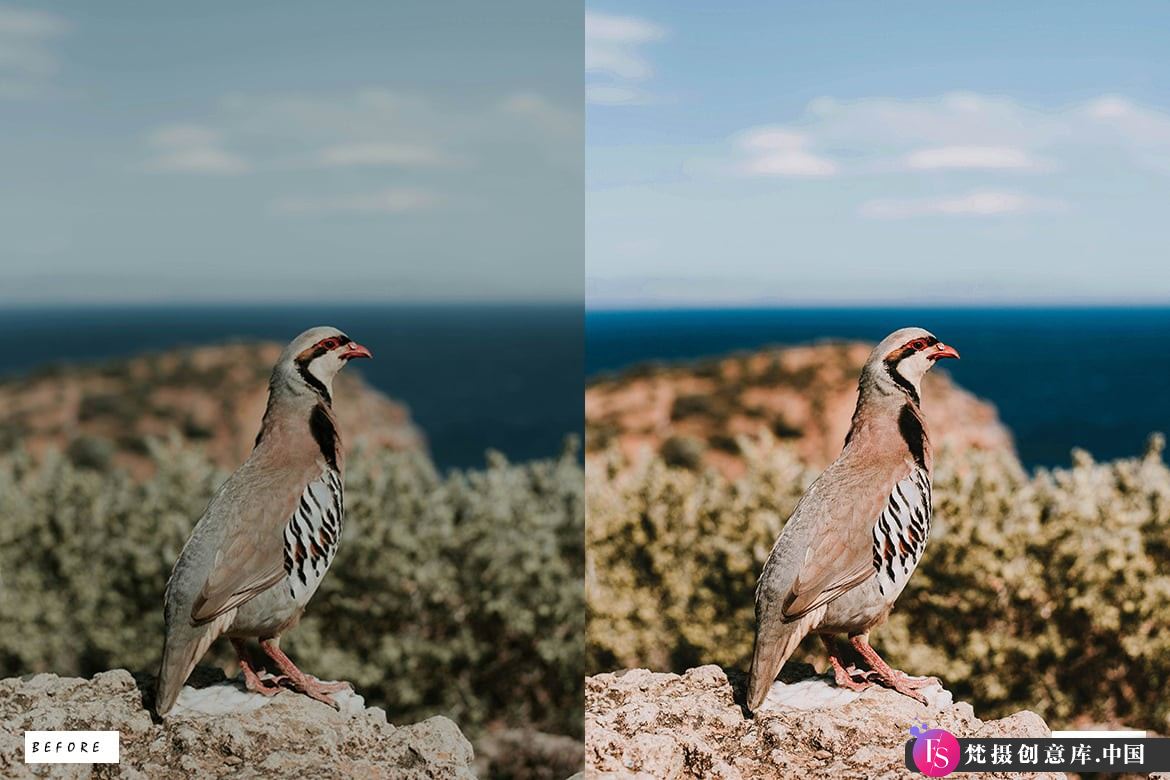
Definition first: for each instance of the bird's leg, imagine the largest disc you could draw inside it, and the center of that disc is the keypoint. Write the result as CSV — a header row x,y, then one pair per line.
x,y
843,676
888,676
298,680
252,681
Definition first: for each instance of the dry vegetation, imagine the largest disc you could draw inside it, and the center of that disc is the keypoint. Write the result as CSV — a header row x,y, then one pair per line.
x,y
458,595
1048,591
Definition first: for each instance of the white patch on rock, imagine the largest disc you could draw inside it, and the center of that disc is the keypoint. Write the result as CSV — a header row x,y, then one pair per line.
x,y
818,693
231,697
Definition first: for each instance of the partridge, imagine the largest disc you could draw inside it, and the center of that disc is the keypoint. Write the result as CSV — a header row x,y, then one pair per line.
x,y
267,537
857,534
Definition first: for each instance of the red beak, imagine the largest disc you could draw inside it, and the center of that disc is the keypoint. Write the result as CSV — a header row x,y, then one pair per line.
x,y
356,350
943,351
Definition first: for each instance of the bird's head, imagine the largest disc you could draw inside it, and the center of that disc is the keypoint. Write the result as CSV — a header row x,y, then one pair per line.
x,y
903,358
311,360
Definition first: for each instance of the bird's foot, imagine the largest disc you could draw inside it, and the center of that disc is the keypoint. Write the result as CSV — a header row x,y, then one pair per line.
x,y
853,681
848,677
315,689
298,680
903,683
265,686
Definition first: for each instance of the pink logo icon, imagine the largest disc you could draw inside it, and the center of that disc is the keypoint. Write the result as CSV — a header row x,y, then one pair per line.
x,y
936,751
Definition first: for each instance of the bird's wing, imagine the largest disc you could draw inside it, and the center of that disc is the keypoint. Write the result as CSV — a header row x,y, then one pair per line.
x,y
250,558
839,555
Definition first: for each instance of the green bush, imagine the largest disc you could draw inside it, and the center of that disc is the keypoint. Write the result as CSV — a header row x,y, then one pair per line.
x,y
1049,592
458,595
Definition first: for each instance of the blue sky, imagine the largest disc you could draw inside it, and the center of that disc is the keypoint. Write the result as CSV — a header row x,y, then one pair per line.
x,y
290,151
894,153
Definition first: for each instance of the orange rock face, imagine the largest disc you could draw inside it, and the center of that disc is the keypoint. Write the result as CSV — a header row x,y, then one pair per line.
x,y
804,395
212,396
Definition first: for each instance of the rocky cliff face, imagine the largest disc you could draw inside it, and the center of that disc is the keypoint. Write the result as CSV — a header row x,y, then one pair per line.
x,y
642,724
692,413
222,731
104,414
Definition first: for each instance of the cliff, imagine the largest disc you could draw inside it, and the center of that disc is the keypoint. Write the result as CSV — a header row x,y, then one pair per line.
x,y
104,414
691,413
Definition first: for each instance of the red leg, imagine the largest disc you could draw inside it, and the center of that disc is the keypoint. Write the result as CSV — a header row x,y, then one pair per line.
x,y
304,683
252,680
840,673
888,676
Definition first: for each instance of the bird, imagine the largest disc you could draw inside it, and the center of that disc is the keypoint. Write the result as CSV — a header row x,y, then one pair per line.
x,y
858,532
269,533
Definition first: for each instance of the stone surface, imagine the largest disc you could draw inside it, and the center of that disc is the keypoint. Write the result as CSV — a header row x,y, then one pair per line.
x,y
525,754
641,724
224,731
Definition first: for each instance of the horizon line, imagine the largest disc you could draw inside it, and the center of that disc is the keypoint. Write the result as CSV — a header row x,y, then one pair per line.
x,y
644,306
234,303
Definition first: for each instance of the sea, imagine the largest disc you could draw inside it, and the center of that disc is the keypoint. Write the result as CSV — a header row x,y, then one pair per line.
x,y
476,377
1061,378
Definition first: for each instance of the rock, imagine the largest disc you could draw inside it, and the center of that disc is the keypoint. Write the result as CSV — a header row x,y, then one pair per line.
x,y
223,731
692,412
641,724
529,754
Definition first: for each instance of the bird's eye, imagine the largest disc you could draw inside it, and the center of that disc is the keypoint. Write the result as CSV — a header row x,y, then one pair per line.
x,y
918,345
329,343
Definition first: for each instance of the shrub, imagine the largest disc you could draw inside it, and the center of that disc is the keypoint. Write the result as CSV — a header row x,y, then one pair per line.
x,y
1049,592
683,452
456,594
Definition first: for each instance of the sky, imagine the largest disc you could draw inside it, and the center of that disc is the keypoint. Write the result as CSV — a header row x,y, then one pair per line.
x,y
848,153
288,151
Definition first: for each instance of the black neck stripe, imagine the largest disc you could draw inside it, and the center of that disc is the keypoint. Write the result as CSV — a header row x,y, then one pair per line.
x,y
303,369
901,381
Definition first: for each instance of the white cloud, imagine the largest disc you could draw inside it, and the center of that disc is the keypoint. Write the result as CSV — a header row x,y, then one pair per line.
x,y
984,203
969,131
535,110
28,56
777,151
387,201
349,143
379,154
970,158
614,56
958,133
1145,128
187,148
610,95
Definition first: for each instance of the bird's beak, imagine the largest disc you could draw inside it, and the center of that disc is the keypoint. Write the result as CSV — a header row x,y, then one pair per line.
x,y
943,351
356,350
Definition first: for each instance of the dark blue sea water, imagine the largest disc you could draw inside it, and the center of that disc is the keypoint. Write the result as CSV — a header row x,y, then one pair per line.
x,y
1061,378
475,377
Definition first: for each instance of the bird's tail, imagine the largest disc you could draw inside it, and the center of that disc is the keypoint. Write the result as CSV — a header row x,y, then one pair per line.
x,y
181,653
776,641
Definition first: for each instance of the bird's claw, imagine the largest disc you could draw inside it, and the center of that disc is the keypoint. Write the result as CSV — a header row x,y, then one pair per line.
x,y
903,683
315,689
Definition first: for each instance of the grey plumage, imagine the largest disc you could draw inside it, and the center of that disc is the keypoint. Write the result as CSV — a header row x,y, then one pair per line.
x,y
858,532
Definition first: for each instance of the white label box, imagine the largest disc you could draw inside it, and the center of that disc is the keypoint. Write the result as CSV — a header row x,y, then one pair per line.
x,y
71,747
